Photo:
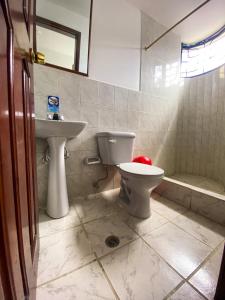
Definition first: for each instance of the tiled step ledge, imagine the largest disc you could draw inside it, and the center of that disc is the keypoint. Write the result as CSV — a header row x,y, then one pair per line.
x,y
203,202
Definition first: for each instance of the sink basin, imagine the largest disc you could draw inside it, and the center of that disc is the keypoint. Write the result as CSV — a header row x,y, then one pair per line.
x,y
57,133
52,128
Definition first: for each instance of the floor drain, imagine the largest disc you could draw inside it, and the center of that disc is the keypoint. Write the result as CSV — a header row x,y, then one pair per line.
x,y
112,241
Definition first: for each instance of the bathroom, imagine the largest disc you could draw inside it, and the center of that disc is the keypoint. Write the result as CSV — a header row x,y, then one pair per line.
x,y
143,81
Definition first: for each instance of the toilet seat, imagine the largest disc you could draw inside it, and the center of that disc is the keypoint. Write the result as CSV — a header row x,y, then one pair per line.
x,y
141,169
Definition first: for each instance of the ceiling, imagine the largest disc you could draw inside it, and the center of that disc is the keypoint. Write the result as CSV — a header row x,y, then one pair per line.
x,y
81,7
207,20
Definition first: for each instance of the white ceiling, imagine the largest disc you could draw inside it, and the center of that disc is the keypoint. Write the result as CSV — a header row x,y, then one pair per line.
x,y
81,7
207,20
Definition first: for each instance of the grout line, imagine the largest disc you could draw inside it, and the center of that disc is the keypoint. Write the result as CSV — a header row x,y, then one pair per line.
x,y
174,290
200,265
172,221
184,280
183,214
94,219
80,219
65,274
107,278
60,230
114,213
179,213
179,286
139,236
100,265
195,236
204,261
197,291
97,218
81,222
194,272
112,250
180,275
85,231
117,248
76,269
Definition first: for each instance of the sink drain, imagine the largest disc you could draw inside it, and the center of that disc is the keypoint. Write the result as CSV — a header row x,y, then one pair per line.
x,y
112,241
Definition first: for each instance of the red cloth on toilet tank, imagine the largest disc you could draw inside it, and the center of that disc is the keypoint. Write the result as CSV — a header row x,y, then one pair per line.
x,y
142,160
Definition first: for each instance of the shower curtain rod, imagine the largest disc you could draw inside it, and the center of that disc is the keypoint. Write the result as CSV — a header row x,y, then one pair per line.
x,y
175,25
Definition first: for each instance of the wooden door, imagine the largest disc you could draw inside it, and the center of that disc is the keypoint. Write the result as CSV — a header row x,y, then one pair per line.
x,y
18,204
220,289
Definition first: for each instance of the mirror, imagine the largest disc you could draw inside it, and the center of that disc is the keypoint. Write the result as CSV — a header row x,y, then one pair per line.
x,y
63,33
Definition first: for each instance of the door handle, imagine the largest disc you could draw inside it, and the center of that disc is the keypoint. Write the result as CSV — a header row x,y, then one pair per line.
x,y
40,58
30,55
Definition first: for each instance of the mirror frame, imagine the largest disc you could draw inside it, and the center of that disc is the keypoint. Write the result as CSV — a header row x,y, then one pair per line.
x,y
61,28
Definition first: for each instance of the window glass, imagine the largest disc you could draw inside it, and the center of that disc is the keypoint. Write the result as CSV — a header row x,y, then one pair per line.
x,y
203,56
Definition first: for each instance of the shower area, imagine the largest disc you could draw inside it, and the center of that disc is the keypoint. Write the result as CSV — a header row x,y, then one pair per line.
x,y
198,178
200,155
188,138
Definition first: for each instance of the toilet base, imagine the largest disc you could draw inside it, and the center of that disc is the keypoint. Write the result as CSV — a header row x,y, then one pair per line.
x,y
137,202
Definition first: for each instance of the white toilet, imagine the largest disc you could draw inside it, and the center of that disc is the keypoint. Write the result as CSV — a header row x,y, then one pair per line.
x,y
137,180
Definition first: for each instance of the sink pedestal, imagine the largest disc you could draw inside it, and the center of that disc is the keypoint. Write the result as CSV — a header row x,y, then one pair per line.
x,y
57,202
57,133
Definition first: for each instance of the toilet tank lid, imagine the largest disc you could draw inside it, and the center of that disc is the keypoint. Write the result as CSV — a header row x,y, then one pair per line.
x,y
116,134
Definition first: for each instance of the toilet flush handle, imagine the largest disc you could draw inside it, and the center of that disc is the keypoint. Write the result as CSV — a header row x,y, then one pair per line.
x,y
113,141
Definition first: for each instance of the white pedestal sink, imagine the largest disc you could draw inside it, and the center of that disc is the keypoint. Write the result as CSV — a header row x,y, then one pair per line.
x,y
57,133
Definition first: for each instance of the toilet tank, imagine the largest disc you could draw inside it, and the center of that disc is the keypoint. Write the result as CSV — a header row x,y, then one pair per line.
x,y
115,147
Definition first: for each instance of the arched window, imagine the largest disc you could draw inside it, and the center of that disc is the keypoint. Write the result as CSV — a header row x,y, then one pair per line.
x,y
203,56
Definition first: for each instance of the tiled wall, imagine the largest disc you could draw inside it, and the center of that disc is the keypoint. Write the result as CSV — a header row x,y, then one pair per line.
x,y
194,198
160,81
151,114
201,127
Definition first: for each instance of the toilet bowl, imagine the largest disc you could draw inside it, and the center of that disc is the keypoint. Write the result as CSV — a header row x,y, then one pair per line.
x,y
137,182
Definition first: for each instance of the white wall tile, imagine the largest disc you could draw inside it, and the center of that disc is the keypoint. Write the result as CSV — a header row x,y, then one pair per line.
x,y
90,116
106,119
69,86
202,123
48,80
133,101
89,93
120,120
106,95
133,118
121,99
151,114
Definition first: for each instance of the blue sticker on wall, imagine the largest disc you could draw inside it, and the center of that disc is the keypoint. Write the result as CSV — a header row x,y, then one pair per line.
x,y
53,104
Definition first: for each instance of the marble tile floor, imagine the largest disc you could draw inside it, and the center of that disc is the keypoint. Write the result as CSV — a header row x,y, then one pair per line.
x,y
175,254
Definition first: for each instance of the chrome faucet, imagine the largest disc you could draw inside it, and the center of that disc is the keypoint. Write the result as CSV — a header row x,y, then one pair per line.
x,y
49,116
55,116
